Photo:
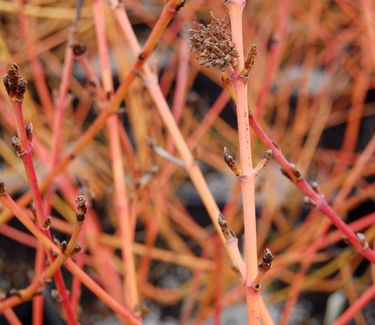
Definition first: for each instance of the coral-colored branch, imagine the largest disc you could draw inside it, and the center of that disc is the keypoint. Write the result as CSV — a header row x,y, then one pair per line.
x,y
361,302
130,290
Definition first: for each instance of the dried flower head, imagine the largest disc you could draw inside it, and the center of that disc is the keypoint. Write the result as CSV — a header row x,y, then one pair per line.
x,y
213,45
15,84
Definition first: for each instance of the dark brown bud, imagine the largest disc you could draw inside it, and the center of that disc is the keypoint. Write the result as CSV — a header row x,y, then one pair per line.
x,y
17,145
14,84
227,232
180,5
295,171
268,154
63,245
77,249
267,260
21,89
2,187
79,49
81,209
229,160
47,224
33,211
29,131
80,217
283,171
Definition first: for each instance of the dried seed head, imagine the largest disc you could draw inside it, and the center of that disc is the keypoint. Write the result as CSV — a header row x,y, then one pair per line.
x,y
14,84
213,45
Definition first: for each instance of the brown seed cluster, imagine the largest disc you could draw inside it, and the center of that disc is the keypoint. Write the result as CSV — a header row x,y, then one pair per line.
x,y
213,45
15,85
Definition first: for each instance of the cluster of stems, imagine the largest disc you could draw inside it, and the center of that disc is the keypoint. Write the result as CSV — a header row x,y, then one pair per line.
x,y
123,283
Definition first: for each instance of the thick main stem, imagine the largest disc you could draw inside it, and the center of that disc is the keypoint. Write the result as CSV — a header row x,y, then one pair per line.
x,y
247,178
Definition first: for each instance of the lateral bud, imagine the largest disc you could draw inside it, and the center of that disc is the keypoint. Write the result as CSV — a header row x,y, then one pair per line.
x,y
296,174
16,144
2,187
266,157
229,160
263,267
268,258
227,232
77,249
29,131
250,59
79,49
362,238
47,224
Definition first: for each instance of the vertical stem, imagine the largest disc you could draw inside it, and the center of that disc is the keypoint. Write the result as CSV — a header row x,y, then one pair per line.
x,y
130,291
41,216
247,178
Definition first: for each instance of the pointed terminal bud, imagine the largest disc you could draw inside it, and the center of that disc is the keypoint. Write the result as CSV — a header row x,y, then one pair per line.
x,y
14,84
81,209
249,61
